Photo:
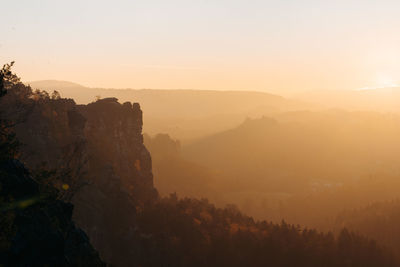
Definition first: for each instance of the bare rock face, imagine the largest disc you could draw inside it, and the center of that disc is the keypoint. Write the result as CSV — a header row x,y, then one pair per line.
x,y
100,145
119,168
114,135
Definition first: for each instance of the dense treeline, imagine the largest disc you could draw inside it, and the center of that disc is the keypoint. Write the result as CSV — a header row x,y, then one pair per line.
x,y
379,220
190,232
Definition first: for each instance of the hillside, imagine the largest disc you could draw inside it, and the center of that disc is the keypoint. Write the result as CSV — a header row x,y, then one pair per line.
x,y
269,161
302,148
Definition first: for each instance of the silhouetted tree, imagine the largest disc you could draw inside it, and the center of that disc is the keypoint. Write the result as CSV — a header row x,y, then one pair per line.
x,y
8,142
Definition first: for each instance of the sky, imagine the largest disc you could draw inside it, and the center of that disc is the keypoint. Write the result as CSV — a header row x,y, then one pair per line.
x,y
283,47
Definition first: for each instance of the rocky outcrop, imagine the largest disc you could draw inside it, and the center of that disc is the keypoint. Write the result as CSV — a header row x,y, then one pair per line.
x,y
119,169
114,135
36,228
100,146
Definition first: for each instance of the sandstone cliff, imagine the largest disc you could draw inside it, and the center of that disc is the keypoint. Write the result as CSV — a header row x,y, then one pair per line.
x,y
100,148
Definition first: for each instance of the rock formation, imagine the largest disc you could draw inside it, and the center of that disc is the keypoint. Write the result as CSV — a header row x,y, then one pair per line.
x,y
36,228
100,147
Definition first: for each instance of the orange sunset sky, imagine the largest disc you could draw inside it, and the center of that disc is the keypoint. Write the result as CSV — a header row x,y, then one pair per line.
x,y
283,47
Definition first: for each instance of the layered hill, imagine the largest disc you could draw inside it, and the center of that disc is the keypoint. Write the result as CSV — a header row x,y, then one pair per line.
x,y
293,156
184,114
302,147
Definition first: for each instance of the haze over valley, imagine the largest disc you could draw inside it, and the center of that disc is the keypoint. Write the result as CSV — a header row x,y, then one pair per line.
x,y
263,152
200,133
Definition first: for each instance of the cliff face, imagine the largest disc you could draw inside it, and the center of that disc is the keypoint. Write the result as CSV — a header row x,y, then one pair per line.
x,y
114,135
99,145
119,169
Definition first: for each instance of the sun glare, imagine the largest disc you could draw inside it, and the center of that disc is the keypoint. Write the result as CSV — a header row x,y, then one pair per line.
x,y
385,81
381,81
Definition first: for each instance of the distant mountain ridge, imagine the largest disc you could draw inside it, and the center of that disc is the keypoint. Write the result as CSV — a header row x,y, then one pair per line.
x,y
385,99
70,86
182,113
48,84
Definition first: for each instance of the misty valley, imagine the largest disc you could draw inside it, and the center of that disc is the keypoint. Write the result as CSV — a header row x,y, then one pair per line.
x,y
193,178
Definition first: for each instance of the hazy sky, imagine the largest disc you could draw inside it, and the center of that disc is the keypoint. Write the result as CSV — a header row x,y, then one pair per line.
x,y
284,46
